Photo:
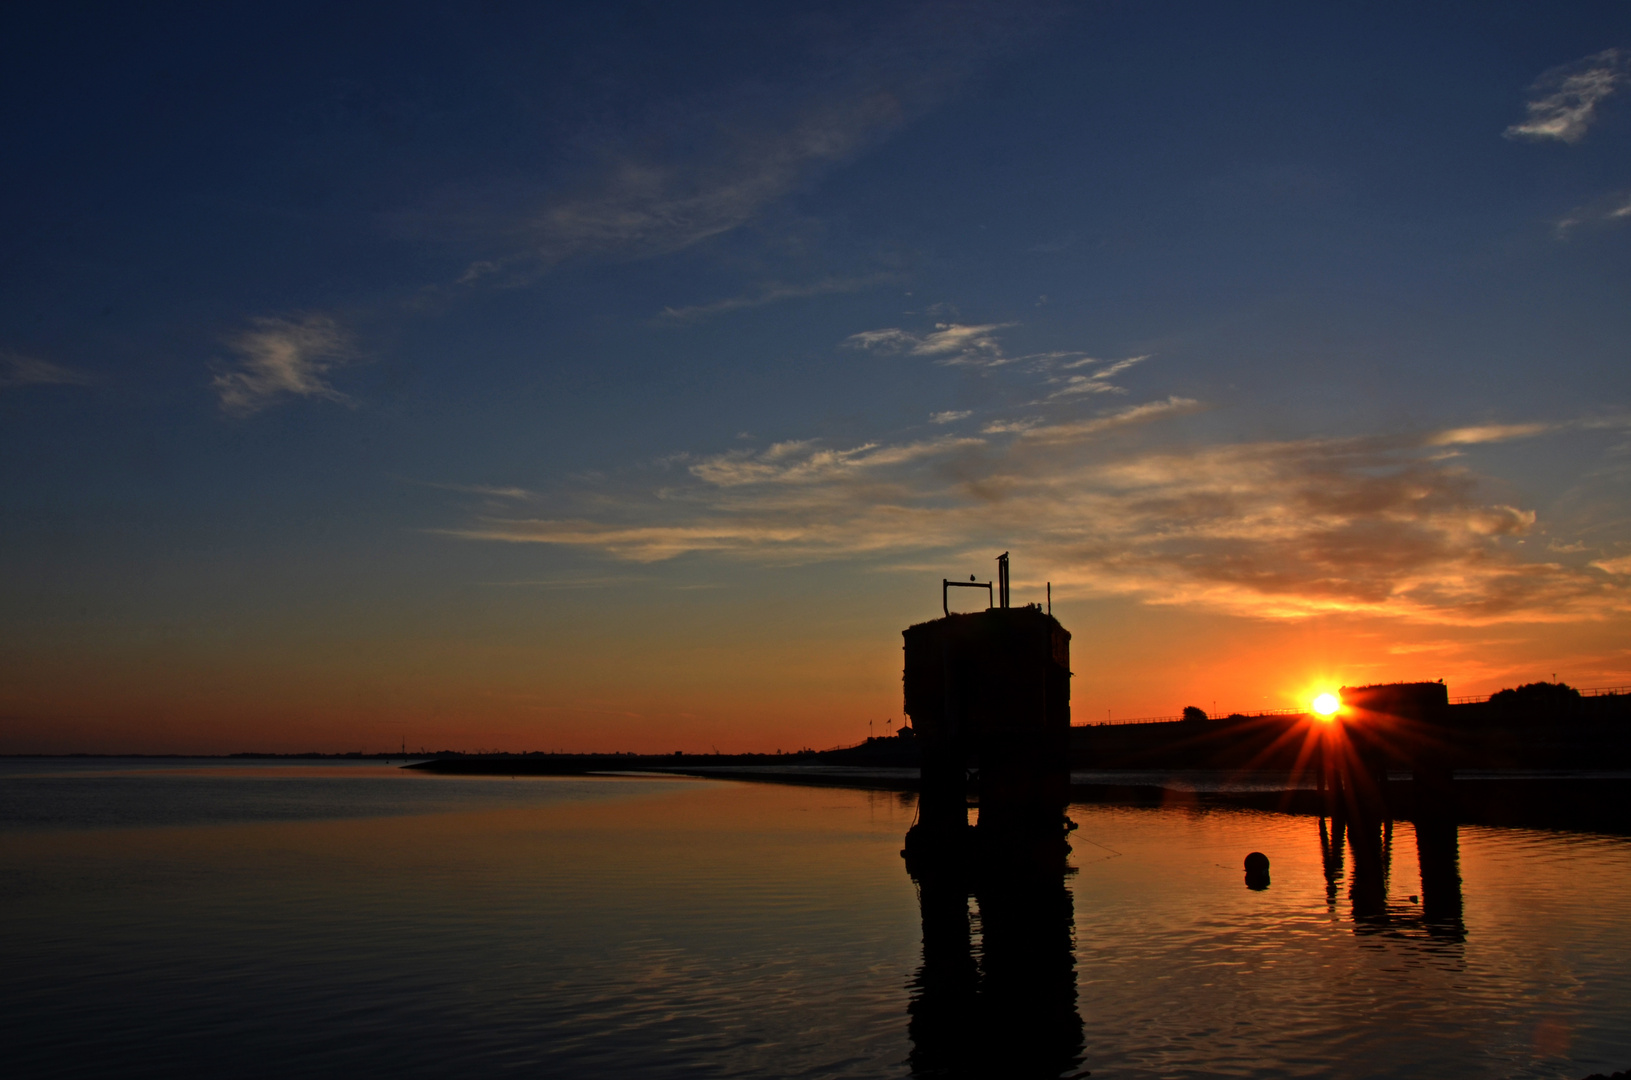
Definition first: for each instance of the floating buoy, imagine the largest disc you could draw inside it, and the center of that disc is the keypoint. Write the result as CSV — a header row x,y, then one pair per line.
x,y
1257,863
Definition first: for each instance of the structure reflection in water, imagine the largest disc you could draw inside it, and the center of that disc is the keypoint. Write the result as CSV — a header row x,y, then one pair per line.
x,y
989,697
1439,912
1437,915
1438,849
1331,841
1002,1001
1395,721
1370,845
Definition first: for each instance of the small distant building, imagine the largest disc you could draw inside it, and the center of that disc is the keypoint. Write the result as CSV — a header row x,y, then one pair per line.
x,y
1406,724
1422,702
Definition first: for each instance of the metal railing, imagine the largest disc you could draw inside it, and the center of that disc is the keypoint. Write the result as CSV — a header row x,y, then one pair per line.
x,y
1585,691
1119,721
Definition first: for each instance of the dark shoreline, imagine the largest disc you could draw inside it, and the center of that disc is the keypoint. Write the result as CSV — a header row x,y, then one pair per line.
x,y
1577,804
1601,804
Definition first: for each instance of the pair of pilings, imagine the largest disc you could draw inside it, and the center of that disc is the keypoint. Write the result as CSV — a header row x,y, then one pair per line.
x,y
1406,723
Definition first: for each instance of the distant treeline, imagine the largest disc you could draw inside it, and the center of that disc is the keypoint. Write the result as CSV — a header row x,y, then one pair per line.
x,y
1538,725
1543,703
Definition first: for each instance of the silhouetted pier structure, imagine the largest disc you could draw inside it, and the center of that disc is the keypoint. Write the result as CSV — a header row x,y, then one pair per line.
x,y
989,696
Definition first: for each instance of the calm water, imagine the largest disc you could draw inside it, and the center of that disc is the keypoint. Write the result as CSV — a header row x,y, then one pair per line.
x,y
263,920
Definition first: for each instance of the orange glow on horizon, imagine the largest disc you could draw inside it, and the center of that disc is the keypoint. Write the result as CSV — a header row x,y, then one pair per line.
x,y
715,669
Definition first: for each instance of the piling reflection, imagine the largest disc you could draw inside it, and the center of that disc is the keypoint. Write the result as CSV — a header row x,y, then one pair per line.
x,y
996,996
945,993
1331,841
1438,849
1371,863
1435,916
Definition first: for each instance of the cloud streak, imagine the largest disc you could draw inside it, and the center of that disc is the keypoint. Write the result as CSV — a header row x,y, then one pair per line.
x,y
948,343
19,370
977,345
1610,211
1074,431
1487,433
644,208
1096,383
772,294
282,358
638,205
490,490
1566,98
745,149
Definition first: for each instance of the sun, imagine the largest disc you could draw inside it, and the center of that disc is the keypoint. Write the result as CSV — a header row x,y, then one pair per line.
x,y
1326,705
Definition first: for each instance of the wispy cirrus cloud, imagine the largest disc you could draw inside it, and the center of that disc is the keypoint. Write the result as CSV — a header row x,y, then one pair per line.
x,y
19,370
698,169
978,345
947,343
281,358
642,208
1011,425
807,462
950,416
1098,382
1070,431
1487,433
1566,98
1607,212
490,490
634,203
1380,526
773,294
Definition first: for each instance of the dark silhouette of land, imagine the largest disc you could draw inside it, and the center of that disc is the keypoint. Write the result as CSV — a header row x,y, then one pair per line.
x,y
1537,726
1489,759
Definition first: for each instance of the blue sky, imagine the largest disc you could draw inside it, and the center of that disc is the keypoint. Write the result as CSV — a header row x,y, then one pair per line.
x,y
392,369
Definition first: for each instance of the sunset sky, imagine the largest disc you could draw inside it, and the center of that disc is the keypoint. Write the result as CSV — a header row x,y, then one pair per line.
x,y
628,376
